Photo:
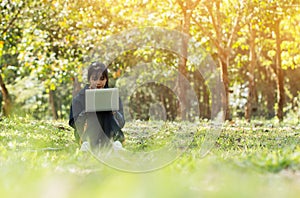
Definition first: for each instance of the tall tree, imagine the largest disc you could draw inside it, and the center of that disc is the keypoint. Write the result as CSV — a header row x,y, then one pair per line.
x,y
277,11
10,17
252,55
187,7
280,75
253,24
212,23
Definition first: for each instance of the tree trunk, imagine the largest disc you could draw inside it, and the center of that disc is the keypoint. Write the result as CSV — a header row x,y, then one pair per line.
x,y
205,92
251,86
225,80
280,75
202,94
6,98
52,104
269,91
182,69
181,84
270,95
223,60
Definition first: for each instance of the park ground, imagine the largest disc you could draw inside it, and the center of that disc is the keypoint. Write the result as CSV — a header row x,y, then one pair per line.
x,y
257,159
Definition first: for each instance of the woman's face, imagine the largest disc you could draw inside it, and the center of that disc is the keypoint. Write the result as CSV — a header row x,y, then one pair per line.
x,y
97,81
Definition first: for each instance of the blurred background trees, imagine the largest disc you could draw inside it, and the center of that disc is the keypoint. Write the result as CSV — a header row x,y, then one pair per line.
x,y
45,47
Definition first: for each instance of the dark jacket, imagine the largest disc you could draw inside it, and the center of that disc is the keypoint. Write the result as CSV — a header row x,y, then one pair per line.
x,y
110,122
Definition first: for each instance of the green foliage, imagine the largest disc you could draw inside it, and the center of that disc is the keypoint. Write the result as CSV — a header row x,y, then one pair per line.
x,y
53,41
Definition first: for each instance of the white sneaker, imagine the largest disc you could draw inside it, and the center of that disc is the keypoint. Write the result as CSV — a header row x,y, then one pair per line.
x,y
117,145
85,146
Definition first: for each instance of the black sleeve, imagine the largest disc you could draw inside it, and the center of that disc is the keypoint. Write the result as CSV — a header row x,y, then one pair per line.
x,y
71,118
119,115
75,109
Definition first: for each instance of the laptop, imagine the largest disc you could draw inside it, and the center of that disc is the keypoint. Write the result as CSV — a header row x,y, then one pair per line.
x,y
101,99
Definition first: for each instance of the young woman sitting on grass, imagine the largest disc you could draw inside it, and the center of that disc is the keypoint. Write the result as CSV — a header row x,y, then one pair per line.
x,y
97,128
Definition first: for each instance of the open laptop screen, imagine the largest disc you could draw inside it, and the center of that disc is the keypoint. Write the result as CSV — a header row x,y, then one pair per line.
x,y
101,99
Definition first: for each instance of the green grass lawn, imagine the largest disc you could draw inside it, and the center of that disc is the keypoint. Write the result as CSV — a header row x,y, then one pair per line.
x,y
258,159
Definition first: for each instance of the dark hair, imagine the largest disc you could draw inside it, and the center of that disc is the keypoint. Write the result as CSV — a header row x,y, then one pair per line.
x,y
100,69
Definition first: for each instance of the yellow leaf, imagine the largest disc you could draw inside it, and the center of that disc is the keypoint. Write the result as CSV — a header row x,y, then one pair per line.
x,y
52,86
1,44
